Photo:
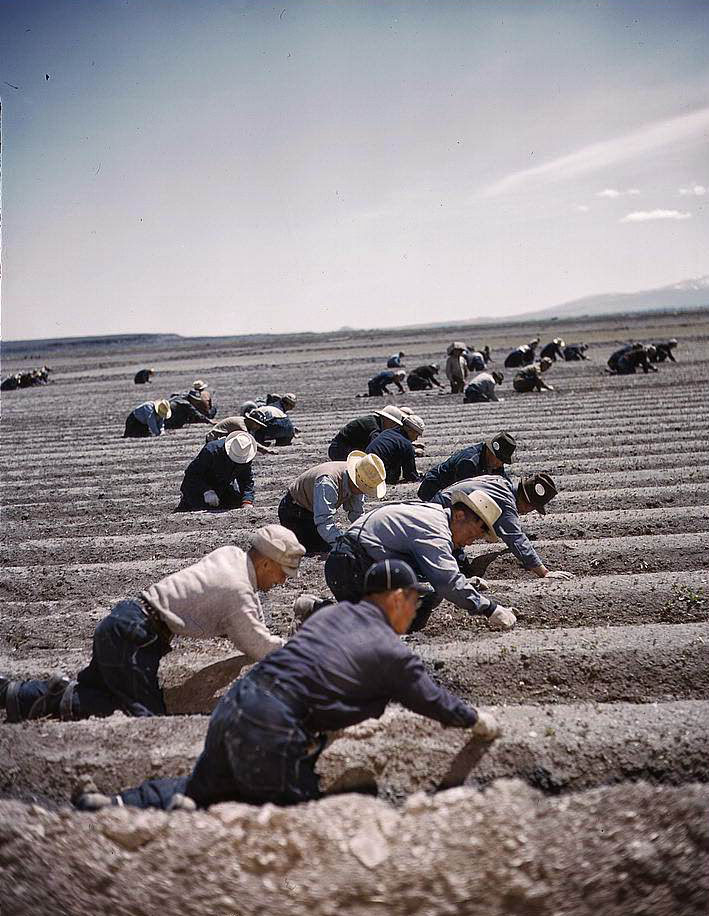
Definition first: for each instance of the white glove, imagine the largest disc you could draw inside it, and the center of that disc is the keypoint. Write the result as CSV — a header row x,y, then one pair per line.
x,y
481,585
486,727
502,618
211,499
559,574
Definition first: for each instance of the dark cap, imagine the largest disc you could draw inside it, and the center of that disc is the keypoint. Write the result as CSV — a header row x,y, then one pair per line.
x,y
502,446
388,575
538,490
499,377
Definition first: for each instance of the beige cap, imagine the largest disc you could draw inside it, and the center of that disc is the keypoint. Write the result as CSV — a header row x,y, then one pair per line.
x,y
240,447
414,422
391,413
163,408
483,506
289,398
199,385
279,544
367,473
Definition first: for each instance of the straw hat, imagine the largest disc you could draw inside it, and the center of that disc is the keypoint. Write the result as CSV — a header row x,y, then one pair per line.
x,y
367,473
483,506
240,447
391,413
288,400
163,409
199,385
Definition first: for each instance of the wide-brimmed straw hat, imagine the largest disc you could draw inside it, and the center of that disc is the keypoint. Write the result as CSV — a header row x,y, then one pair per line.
x,y
483,506
240,447
367,473
163,409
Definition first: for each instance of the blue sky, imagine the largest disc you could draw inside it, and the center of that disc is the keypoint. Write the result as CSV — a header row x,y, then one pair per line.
x,y
224,167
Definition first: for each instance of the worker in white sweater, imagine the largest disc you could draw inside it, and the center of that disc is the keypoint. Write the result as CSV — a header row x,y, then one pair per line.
x,y
217,596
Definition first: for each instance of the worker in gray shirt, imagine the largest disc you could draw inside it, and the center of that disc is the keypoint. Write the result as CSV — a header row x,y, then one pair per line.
x,y
425,536
482,388
217,596
532,493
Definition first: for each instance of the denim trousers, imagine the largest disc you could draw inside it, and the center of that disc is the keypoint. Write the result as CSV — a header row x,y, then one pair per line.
x,y
257,750
302,524
122,673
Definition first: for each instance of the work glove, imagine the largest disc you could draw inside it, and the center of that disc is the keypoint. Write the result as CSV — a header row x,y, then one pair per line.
x,y
502,618
247,504
480,584
559,574
211,499
486,727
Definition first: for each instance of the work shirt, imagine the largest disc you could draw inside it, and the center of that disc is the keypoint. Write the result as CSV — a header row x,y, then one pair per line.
x,y
322,490
357,434
485,384
468,462
141,377
213,469
427,372
385,378
475,360
456,368
270,412
148,415
664,351
226,426
394,361
508,527
397,452
551,350
420,534
217,596
345,664
184,412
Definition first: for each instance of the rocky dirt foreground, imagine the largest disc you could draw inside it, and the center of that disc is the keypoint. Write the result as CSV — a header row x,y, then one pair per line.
x,y
594,800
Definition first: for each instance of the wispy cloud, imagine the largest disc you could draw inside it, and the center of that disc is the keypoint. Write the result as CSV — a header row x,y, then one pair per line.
x,y
696,190
644,216
612,193
608,152
582,208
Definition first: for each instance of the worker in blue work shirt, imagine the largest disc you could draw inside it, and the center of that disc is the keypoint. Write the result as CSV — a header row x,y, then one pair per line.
x,y
220,477
532,493
395,361
395,448
147,419
344,665
378,384
487,457
358,433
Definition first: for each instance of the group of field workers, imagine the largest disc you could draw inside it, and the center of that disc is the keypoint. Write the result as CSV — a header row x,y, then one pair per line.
x,y
387,570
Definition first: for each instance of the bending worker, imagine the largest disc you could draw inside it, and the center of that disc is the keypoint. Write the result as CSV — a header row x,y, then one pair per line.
x,y
343,665
425,536
423,377
395,448
357,434
482,388
487,457
147,419
247,424
220,476
216,596
522,356
530,379
555,348
310,503
378,385
532,493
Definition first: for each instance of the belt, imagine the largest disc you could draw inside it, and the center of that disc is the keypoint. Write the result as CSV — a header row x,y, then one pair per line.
x,y
273,685
156,622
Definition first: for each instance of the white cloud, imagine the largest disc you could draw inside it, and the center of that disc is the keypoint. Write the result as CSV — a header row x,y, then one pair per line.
x,y
643,216
582,208
609,192
608,152
697,190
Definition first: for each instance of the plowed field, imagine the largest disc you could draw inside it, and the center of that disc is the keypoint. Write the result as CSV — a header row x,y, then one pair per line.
x,y
593,799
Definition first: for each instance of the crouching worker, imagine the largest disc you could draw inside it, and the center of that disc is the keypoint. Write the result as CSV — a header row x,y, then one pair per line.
x,y
378,385
247,424
482,388
311,502
530,379
147,419
426,537
220,476
217,596
278,426
344,665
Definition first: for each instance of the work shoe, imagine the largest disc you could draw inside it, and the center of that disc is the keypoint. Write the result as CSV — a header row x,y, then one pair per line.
x,y
180,802
9,700
48,705
4,684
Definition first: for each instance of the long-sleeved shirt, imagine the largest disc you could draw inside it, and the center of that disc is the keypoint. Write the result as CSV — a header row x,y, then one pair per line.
x,y
428,373
508,527
664,351
420,534
213,469
380,381
184,412
468,462
456,368
148,415
346,663
357,433
322,490
551,351
394,361
475,360
397,452
141,377
217,596
226,426
484,383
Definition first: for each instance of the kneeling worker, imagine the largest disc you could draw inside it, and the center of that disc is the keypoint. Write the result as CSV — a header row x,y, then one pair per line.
x,y
530,379
356,435
310,504
247,424
216,596
533,493
378,385
425,536
488,457
482,388
220,476
147,419
396,449
344,665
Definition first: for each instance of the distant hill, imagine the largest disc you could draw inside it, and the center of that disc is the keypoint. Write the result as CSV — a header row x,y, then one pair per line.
x,y
685,295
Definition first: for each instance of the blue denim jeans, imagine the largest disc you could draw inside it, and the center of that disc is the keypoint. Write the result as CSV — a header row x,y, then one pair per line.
x,y
122,673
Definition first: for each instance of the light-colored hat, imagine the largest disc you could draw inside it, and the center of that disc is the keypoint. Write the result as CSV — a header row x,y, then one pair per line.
x,y
483,506
279,544
163,409
247,407
199,385
414,422
289,398
240,447
255,420
545,362
399,373
367,473
391,413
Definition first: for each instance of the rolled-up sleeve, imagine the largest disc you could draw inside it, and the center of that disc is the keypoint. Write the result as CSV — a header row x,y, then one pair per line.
x,y
510,531
438,566
325,501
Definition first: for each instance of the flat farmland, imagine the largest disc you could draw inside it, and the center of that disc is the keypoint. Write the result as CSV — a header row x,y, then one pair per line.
x,y
595,796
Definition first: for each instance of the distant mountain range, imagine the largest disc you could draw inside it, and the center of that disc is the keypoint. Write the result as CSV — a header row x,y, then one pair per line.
x,y
685,295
